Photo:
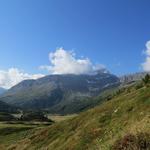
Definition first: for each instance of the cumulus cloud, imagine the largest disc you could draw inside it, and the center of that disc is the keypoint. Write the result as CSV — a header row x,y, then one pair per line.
x,y
12,76
146,64
65,62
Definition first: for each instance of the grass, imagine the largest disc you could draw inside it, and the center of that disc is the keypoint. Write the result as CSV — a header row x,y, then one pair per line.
x,y
10,133
139,141
13,131
127,113
58,118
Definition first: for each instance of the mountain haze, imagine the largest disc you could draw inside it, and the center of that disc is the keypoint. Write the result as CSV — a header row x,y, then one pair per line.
x,y
2,90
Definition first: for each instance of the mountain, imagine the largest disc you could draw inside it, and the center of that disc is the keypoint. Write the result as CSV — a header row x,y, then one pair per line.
x,y
57,92
121,123
2,90
132,77
4,107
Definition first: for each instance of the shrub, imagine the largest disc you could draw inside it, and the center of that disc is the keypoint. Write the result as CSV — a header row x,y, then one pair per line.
x,y
146,80
109,97
6,117
34,116
141,141
139,86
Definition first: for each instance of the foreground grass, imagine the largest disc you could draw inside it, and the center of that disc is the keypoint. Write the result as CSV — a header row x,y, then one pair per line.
x,y
128,113
13,131
58,118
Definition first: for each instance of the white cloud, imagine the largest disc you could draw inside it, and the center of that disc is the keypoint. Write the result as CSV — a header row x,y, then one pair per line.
x,y
146,64
12,76
65,62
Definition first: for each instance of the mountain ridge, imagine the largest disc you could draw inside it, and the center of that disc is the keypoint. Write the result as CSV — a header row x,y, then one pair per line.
x,y
133,77
50,90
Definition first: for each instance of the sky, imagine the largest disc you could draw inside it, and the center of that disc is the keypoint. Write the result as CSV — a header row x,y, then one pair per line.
x,y
40,37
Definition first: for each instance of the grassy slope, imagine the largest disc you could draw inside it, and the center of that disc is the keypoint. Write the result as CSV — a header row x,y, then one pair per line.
x,y
59,118
95,129
13,131
80,104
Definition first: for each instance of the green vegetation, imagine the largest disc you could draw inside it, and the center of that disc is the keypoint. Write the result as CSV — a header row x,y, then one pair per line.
x,y
123,116
146,80
11,132
4,107
140,141
59,118
6,117
34,116
78,104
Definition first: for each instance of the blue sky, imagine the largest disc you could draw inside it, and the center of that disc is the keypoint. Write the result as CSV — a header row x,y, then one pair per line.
x,y
109,32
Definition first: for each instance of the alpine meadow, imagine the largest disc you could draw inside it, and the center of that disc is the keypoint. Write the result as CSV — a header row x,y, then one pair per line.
x,y
74,75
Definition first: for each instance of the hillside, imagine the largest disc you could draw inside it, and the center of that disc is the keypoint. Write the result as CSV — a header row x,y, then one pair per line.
x,y
125,117
4,107
59,92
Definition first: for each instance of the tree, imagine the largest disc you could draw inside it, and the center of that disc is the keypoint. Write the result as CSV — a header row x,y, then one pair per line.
x,y
34,116
146,80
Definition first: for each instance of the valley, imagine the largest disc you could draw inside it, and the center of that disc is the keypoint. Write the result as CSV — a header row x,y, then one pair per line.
x,y
13,131
74,75
124,114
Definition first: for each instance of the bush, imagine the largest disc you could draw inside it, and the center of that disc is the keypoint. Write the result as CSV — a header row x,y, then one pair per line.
x,y
109,97
119,91
140,141
6,117
34,116
146,80
139,86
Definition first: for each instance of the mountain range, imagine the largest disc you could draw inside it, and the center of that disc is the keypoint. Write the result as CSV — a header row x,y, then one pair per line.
x,y
132,77
59,93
